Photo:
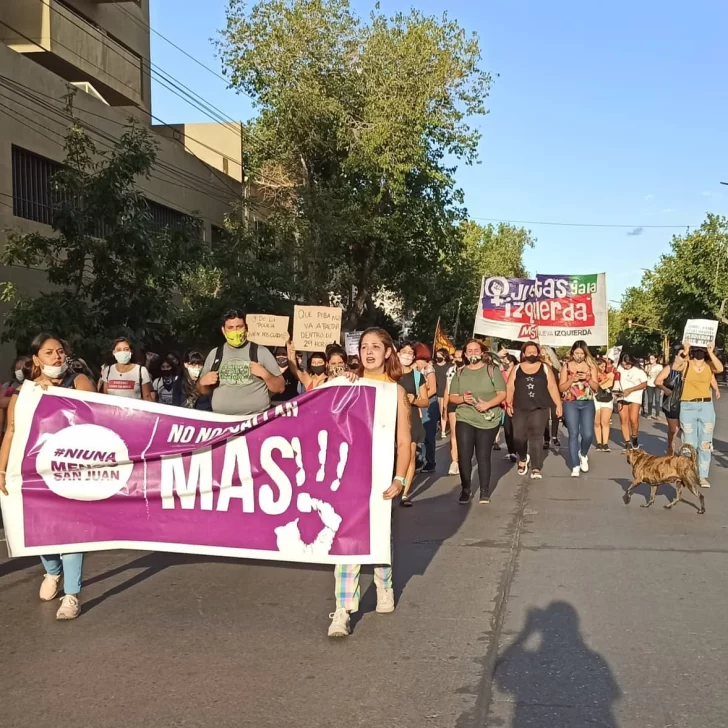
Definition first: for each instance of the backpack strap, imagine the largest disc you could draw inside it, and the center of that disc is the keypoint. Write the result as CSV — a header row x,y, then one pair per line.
x,y
418,378
218,358
253,352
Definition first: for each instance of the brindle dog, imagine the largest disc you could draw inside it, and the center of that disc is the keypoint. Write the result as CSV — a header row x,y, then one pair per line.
x,y
680,470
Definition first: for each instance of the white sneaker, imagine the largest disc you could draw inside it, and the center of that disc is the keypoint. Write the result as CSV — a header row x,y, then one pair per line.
x,y
584,463
704,483
50,587
575,472
70,607
340,623
454,469
385,601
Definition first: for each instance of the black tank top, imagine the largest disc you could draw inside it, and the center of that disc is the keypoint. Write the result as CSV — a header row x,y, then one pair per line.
x,y
531,390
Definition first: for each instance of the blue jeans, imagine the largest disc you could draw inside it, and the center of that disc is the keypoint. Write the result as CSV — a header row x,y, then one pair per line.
x,y
697,420
430,418
579,420
70,565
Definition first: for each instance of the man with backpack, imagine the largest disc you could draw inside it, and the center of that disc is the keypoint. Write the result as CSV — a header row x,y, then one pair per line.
x,y
239,376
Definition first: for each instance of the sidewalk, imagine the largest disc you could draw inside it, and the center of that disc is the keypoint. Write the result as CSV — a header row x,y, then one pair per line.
x,y
554,606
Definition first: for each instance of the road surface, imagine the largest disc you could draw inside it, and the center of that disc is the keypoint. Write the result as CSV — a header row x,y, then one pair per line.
x,y
556,605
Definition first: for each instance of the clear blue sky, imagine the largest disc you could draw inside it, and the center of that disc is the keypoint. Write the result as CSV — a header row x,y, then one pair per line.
x,y
613,113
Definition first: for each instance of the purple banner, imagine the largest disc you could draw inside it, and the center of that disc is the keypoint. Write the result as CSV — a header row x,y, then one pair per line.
x,y
298,483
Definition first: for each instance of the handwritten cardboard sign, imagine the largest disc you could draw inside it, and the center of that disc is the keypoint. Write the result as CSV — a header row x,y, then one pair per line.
x,y
352,339
700,332
315,327
267,330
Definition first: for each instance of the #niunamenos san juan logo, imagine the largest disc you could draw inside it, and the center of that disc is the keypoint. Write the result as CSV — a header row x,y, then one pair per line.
x,y
84,462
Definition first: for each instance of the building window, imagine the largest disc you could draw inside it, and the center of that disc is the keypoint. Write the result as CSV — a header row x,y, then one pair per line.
x,y
166,217
32,193
216,234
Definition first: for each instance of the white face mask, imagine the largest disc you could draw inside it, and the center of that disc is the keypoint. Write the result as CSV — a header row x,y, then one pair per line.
x,y
406,359
55,372
194,372
122,357
19,376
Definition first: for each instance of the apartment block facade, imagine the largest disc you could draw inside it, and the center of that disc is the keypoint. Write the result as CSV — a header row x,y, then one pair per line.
x,y
94,56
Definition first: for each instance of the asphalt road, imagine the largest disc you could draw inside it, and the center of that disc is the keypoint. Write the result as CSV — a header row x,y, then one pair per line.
x,y
554,606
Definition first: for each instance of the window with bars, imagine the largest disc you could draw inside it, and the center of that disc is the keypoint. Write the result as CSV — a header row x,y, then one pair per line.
x,y
33,197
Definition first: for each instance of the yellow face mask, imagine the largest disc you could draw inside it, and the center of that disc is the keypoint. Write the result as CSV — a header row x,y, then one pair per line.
x,y
236,339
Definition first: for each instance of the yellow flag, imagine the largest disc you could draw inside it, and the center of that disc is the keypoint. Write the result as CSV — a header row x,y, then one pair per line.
x,y
442,341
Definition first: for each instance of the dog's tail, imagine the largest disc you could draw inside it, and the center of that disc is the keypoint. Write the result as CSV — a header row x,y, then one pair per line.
x,y
688,451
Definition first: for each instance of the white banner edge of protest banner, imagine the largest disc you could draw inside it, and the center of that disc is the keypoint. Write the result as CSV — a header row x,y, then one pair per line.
x,y
383,434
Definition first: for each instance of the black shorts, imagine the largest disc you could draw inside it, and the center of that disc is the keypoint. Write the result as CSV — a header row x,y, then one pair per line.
x,y
451,408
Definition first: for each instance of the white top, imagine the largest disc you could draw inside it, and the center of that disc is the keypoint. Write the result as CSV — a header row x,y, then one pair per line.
x,y
125,384
652,372
629,378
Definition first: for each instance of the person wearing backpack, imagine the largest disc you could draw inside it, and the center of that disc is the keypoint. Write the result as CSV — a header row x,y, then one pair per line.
x,y
415,386
49,366
239,376
126,379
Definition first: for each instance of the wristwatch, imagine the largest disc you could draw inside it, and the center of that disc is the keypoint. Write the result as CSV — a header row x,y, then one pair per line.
x,y
401,480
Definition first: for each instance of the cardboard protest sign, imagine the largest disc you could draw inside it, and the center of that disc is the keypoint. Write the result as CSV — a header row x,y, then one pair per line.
x,y
700,332
352,339
267,330
315,327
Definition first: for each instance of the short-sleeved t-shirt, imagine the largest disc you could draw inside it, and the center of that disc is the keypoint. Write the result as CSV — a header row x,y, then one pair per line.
x,y
164,395
441,371
632,377
653,371
239,392
125,384
484,383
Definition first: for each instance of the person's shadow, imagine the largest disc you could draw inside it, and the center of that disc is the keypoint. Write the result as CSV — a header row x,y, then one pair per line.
x,y
553,677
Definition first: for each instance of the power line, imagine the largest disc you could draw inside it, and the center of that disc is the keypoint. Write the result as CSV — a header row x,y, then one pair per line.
x,y
579,224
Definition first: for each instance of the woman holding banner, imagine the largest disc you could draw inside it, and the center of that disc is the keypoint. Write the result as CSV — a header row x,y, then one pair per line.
x,y
48,367
578,381
379,363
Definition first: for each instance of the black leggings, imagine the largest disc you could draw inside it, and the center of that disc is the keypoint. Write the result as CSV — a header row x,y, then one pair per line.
x,y
481,441
528,428
508,432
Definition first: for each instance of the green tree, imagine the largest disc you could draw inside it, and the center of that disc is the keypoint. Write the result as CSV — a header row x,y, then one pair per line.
x,y
484,250
110,271
359,126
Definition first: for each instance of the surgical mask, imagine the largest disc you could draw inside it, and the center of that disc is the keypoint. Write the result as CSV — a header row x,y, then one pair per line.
x,y
19,376
122,357
236,339
699,354
318,369
578,357
282,361
406,359
474,358
55,372
194,372
533,358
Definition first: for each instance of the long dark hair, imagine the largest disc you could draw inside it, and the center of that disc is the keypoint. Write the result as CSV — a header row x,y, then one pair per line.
x,y
189,385
30,370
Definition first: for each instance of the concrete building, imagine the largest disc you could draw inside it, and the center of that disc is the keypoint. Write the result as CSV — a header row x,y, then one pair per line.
x,y
94,55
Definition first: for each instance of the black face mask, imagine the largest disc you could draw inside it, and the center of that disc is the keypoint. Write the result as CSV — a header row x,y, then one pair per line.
x,y
698,354
533,358
458,362
167,378
282,361
318,369
440,360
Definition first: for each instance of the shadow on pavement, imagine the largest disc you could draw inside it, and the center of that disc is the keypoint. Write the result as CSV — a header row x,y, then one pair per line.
x,y
643,489
553,677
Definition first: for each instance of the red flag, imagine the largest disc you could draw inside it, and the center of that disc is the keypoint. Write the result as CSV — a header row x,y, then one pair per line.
x,y
442,341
